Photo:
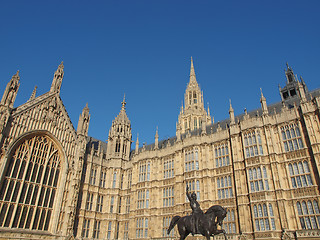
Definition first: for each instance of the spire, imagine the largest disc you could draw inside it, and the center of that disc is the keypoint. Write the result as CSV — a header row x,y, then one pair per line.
x,y
124,102
122,116
302,92
193,111
137,144
208,109
263,104
33,95
231,113
57,79
11,91
192,73
156,139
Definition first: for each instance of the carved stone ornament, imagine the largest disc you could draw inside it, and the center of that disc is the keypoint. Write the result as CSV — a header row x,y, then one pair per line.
x,y
285,235
50,111
243,237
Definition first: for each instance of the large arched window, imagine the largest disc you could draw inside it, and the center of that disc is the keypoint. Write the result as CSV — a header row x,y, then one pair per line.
x,y
29,185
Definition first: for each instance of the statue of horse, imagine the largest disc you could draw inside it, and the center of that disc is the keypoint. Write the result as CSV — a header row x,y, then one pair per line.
x,y
207,224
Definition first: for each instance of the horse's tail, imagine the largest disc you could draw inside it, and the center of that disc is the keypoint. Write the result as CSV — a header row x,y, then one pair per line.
x,y
173,222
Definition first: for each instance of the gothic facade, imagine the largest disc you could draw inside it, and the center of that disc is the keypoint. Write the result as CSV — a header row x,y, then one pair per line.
x,y
56,182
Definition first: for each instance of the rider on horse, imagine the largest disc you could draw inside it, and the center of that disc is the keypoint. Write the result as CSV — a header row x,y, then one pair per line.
x,y
196,211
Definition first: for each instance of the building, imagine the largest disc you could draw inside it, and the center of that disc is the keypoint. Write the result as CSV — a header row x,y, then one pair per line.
x,y
59,183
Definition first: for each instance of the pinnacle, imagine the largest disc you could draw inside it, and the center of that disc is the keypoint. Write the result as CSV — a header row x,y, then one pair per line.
x,y
192,72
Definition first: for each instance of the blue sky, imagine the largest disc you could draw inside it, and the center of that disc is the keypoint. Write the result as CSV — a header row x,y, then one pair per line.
x,y
143,49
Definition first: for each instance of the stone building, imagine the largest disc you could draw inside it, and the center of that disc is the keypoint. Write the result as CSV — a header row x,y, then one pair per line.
x,y
56,182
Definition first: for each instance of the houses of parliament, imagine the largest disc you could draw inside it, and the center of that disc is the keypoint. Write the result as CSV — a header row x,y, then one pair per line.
x,y
56,182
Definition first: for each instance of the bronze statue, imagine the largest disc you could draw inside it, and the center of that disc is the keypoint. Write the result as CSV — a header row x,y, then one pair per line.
x,y
197,213
199,222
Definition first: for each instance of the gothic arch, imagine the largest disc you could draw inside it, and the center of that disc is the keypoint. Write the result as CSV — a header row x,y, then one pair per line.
x,y
32,182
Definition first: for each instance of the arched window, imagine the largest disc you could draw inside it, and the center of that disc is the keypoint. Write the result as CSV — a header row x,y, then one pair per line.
x,y
291,137
194,97
252,146
309,214
300,174
262,217
30,184
258,181
229,222
117,146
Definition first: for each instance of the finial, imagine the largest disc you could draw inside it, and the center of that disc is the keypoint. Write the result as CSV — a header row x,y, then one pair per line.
x,y
230,104
287,65
86,107
33,95
262,97
231,108
192,72
124,101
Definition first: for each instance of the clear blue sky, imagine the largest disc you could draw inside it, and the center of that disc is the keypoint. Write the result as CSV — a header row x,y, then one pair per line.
x,y
143,49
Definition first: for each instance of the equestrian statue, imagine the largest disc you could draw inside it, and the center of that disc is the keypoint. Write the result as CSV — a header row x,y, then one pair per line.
x,y
199,222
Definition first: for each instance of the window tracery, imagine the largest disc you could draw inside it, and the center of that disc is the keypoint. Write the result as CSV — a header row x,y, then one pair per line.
x,y
30,183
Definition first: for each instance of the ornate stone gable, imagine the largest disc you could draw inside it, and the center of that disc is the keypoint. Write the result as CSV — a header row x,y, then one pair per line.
x,y
44,113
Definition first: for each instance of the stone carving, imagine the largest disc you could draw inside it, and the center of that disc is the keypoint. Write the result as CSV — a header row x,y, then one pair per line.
x,y
285,235
51,111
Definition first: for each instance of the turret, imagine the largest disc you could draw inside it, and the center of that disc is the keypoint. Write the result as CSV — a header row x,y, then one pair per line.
x,y
11,91
289,74
291,90
119,139
263,104
156,140
137,145
231,114
302,92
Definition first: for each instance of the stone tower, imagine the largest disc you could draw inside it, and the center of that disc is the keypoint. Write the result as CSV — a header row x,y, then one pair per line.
x,y
119,140
193,115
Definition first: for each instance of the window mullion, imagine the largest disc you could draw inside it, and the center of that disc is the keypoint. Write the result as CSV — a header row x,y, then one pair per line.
x,y
40,187
21,182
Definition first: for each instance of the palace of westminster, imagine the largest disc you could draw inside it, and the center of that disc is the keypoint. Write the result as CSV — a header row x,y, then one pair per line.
x,y
56,182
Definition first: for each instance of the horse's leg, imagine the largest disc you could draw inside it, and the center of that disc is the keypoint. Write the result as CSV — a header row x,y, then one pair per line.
x,y
183,232
208,236
183,235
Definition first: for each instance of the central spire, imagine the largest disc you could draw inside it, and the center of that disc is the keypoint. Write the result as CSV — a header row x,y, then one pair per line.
x,y
124,103
193,79
193,114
